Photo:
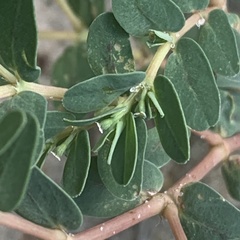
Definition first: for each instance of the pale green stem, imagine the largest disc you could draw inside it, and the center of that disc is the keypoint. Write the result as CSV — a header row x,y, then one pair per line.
x,y
7,91
50,92
8,76
156,62
75,21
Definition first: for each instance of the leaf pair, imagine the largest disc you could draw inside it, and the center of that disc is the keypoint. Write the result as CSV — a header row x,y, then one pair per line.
x,y
120,159
108,205
32,103
191,66
18,147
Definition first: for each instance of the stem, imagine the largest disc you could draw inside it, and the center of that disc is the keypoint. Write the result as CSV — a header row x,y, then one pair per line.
x,y
171,214
50,92
156,62
7,91
59,35
13,221
148,209
8,76
163,50
217,154
75,21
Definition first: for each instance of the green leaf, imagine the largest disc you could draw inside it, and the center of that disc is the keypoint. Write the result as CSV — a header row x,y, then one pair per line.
x,y
16,157
32,103
87,10
192,76
205,214
106,88
77,165
48,205
154,150
152,178
172,127
233,20
131,149
55,123
191,6
105,204
71,67
218,41
123,152
109,49
88,121
106,171
108,205
28,101
148,15
17,120
228,123
231,176
18,44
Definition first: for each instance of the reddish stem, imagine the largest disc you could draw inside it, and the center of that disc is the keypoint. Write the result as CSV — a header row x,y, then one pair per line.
x,y
148,209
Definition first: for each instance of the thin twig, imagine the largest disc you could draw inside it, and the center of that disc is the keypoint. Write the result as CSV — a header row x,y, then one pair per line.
x,y
75,21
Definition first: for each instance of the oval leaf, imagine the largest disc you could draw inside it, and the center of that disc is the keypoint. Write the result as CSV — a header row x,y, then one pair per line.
x,y
172,127
148,15
17,120
18,44
27,101
218,41
188,6
106,88
154,150
133,188
152,178
105,204
231,175
193,79
161,13
205,214
109,49
77,165
48,205
16,159
228,123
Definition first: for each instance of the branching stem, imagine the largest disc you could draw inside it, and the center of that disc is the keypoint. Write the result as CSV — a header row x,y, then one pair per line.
x,y
158,203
